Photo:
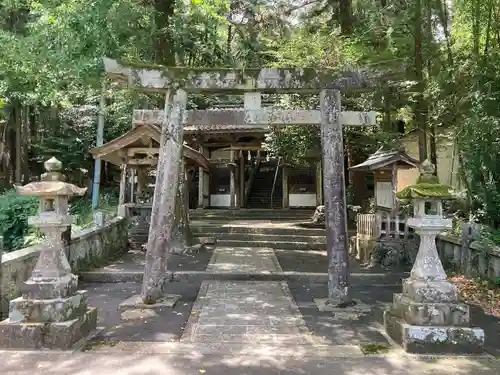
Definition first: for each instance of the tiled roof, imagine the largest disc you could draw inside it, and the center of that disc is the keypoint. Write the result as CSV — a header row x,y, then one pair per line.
x,y
381,159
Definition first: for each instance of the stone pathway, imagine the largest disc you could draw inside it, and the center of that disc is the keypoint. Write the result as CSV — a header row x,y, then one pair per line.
x,y
244,260
246,312
256,362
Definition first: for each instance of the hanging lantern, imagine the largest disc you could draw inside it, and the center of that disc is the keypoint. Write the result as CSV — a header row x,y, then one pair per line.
x,y
249,156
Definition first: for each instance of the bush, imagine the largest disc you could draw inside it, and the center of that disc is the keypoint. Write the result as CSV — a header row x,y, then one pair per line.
x,y
15,210
14,213
81,208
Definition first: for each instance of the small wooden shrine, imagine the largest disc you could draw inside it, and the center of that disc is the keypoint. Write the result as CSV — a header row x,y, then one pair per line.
x,y
384,165
136,152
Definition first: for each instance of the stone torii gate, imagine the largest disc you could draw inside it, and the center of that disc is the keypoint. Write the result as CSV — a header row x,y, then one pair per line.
x,y
176,82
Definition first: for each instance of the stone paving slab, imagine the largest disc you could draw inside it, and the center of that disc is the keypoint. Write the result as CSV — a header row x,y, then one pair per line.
x,y
244,260
134,262
246,312
249,361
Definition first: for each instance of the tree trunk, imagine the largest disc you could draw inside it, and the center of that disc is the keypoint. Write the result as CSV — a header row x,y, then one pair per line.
x,y
26,145
476,26
345,11
163,43
18,123
182,237
430,60
419,75
357,179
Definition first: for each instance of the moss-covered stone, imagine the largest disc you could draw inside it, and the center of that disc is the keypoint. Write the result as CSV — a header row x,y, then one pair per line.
x,y
374,349
426,190
427,186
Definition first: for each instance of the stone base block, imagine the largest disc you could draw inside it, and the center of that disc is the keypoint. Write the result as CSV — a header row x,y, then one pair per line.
x,y
60,335
430,291
430,313
207,240
347,313
48,310
136,302
434,339
364,247
50,289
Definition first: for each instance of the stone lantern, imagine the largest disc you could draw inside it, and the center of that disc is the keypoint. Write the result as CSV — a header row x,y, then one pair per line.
x,y
51,313
427,316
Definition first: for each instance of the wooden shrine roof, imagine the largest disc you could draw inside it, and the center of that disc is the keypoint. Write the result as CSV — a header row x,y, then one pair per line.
x,y
142,136
383,159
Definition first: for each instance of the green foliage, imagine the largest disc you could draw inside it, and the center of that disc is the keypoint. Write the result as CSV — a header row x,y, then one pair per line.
x,y
14,213
50,62
81,207
15,210
490,236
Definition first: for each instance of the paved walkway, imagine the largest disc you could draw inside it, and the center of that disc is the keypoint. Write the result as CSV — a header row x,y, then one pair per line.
x,y
252,360
246,312
244,260
240,327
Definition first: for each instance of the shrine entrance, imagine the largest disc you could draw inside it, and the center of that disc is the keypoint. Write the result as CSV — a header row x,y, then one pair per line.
x,y
176,83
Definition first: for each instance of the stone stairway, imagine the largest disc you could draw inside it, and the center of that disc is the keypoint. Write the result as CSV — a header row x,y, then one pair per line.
x,y
262,188
234,228
275,229
138,233
226,215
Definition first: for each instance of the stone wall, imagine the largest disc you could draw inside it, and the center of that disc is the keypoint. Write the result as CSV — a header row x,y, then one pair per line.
x,y
473,258
89,248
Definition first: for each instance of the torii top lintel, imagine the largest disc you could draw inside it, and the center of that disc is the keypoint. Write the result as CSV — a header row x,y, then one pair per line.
x,y
158,78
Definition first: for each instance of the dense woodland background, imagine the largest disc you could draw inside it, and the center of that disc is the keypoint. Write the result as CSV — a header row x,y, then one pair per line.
x,y
51,78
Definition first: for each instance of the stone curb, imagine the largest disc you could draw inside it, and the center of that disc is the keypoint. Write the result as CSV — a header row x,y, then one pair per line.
x,y
278,245
198,276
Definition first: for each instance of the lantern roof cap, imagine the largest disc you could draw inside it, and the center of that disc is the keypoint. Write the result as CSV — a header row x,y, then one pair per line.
x,y
51,184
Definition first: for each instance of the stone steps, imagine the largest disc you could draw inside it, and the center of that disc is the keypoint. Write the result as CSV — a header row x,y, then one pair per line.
x,y
283,245
259,237
265,228
107,276
251,214
237,240
220,229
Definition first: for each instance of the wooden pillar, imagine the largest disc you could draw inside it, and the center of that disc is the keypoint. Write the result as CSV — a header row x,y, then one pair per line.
x,y
286,200
394,188
123,184
232,182
335,199
164,199
123,189
319,184
201,182
241,200
141,181
187,189
132,184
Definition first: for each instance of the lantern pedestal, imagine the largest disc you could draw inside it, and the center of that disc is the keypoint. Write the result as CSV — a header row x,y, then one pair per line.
x,y
428,317
51,313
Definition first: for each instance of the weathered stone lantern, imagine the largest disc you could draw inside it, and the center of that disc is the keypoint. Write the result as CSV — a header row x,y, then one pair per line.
x,y
51,313
428,317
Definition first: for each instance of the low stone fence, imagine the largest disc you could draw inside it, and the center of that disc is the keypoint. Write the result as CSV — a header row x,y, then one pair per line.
x,y
470,257
376,227
464,252
89,248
